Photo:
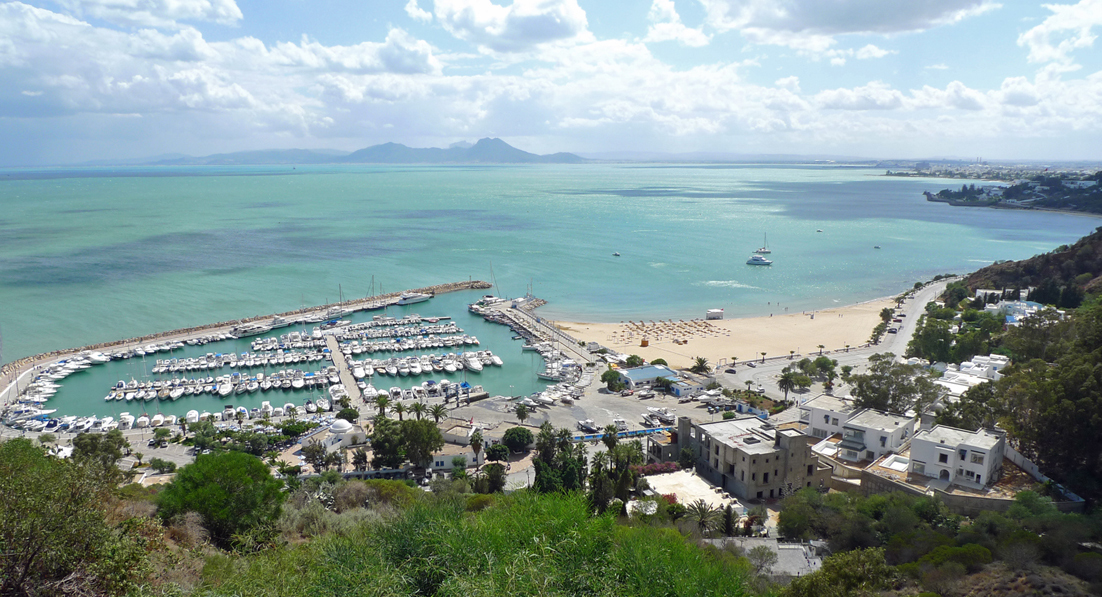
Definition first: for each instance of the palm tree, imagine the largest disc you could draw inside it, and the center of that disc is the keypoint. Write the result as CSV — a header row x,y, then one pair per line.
x,y
763,357
700,365
748,384
476,445
703,516
359,459
522,413
381,402
418,409
610,437
400,409
787,382
291,412
790,353
821,347
438,411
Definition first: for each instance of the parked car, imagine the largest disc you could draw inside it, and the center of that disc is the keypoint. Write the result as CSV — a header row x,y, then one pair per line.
x,y
730,371
751,364
627,392
893,331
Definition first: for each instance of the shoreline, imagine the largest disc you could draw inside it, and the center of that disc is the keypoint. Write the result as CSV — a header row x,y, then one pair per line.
x,y
791,334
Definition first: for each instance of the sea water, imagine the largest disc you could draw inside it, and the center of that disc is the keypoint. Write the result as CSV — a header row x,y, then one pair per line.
x,y
97,254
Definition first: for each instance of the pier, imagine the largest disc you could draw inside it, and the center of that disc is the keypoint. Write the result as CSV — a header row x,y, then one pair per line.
x,y
13,375
523,321
341,363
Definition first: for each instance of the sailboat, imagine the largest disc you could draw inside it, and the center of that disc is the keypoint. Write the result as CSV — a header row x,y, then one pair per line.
x,y
764,250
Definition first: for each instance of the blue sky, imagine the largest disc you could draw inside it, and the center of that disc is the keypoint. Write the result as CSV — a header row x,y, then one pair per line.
x,y
91,79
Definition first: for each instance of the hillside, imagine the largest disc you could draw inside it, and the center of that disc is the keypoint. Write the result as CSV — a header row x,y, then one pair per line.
x,y
486,151
1079,265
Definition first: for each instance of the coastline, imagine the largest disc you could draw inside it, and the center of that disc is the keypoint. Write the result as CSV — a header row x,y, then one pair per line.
x,y
679,342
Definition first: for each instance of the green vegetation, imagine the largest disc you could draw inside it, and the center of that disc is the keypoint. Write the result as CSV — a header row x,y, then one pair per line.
x,y
517,439
611,379
634,361
233,493
55,533
894,387
897,537
700,366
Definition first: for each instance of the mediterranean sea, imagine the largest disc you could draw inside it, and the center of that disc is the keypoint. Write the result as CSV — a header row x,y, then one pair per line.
x,y
93,255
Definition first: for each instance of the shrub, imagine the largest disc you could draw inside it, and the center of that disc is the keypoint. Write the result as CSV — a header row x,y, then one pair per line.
x,y
497,452
349,414
479,502
233,492
972,557
390,493
350,495
655,468
517,439
162,466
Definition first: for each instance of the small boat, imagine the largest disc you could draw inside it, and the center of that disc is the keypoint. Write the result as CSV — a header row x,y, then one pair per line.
x,y
322,404
409,298
764,250
311,407
587,425
877,247
819,230
157,420
757,259
616,254
192,416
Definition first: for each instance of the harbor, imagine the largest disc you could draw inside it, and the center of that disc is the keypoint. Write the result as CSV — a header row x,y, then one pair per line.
x,y
229,372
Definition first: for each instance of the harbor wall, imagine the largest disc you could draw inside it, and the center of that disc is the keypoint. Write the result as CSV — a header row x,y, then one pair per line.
x,y
19,365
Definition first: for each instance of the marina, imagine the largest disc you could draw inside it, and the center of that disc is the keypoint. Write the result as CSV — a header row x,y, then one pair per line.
x,y
180,376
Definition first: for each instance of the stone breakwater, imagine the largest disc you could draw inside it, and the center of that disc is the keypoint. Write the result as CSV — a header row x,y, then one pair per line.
x,y
19,365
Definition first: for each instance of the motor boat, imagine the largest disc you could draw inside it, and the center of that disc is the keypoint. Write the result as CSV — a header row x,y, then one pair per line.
x,y
757,259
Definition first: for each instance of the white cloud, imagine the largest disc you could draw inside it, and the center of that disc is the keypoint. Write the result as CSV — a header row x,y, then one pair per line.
x,y
155,13
1018,91
666,25
811,25
871,51
1070,25
417,13
876,95
790,83
518,27
940,66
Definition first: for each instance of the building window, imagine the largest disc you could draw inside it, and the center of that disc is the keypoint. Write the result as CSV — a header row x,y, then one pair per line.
x,y
765,477
717,449
883,441
919,467
943,458
742,476
766,461
826,419
819,433
809,484
731,469
753,476
810,469
759,495
834,421
977,458
963,454
770,493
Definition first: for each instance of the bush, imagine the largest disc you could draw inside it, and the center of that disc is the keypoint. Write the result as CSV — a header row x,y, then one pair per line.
x,y
517,439
162,466
349,414
233,492
350,495
497,452
972,557
476,503
655,468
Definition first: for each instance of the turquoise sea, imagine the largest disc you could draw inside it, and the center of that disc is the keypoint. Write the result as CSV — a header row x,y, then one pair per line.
x,y
96,254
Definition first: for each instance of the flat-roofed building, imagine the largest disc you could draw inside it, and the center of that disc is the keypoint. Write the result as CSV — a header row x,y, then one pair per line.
x,y
967,458
870,433
646,374
750,459
825,415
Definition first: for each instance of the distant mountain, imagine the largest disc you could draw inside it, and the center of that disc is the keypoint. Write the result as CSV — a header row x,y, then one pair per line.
x,y
699,157
486,151
267,156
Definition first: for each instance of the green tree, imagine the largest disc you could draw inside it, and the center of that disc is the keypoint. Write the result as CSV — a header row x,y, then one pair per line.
x,y
315,454
399,409
700,365
762,558
787,382
359,459
611,379
522,413
162,466
381,403
459,467
349,414
388,449
54,531
703,517
894,387
497,452
418,409
886,313
233,492
857,572
437,412
495,477
517,439
663,383
476,444
47,438
421,439
161,434
686,458
634,361
659,362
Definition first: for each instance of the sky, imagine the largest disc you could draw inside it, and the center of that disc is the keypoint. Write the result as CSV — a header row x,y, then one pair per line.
x,y
114,79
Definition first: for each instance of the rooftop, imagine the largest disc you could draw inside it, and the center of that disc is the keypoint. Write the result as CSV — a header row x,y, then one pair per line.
x,y
836,404
648,372
879,420
749,434
941,434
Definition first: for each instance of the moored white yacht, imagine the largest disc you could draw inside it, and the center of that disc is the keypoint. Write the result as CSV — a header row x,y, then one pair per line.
x,y
757,259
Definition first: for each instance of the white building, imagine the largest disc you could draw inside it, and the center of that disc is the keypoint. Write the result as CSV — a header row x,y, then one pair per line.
x,y
967,458
958,379
869,434
825,415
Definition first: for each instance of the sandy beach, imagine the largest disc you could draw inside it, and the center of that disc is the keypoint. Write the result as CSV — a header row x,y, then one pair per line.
x,y
680,341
